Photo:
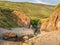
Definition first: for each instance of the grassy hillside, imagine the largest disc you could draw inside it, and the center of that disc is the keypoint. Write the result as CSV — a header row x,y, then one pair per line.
x,y
7,18
35,11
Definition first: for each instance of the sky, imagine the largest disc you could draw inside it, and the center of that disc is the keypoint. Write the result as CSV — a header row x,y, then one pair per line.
x,y
52,2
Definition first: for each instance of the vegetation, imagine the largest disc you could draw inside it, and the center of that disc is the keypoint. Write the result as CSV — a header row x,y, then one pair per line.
x,y
6,18
34,22
58,5
35,11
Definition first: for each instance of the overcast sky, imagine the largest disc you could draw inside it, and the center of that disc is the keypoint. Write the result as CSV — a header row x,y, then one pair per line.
x,y
53,2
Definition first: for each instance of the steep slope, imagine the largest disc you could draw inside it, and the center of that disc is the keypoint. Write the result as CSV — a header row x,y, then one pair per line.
x,y
22,19
33,10
53,23
6,18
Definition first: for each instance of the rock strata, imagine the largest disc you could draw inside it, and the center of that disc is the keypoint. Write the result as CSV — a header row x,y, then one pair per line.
x,y
23,19
53,23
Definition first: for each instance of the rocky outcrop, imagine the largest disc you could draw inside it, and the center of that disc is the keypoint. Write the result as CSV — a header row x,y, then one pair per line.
x,y
10,18
53,23
9,34
22,20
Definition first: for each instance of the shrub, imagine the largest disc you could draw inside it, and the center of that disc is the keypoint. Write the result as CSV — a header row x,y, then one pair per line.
x,y
34,22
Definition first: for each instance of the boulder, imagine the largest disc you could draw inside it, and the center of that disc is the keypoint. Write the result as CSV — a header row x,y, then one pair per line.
x,y
8,35
53,23
22,19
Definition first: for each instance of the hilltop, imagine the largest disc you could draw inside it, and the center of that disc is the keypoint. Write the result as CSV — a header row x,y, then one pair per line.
x,y
31,9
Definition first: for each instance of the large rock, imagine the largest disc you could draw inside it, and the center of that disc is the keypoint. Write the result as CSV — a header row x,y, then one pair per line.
x,y
53,23
9,34
22,19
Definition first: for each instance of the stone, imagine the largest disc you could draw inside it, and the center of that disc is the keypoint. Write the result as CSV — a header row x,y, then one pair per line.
x,y
7,35
52,23
22,19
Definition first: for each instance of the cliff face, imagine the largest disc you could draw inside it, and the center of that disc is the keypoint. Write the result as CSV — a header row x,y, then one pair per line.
x,y
23,19
53,23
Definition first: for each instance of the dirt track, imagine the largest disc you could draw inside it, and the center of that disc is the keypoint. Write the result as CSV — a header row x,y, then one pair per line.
x,y
45,38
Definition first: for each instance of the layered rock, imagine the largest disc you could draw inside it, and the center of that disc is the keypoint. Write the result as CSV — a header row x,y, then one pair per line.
x,y
23,19
53,23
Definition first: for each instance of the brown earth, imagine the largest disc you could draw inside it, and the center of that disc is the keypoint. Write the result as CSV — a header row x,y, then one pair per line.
x,y
23,19
53,23
46,38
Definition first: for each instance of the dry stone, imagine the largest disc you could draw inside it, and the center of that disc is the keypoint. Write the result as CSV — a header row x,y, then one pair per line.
x,y
53,23
9,34
23,19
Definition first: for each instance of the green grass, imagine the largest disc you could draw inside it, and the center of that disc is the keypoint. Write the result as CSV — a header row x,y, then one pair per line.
x,y
35,11
6,18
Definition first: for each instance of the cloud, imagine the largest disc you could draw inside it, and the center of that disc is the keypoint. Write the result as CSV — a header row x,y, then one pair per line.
x,y
3,0
52,2
33,1
39,1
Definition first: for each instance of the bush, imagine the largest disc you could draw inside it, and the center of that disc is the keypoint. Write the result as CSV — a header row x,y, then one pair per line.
x,y
34,22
